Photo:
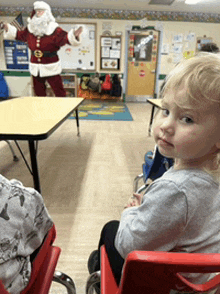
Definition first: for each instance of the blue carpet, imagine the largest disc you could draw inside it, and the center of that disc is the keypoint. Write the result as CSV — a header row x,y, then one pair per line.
x,y
103,110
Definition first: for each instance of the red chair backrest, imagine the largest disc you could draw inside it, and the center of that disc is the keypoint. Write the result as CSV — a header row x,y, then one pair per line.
x,y
40,258
43,266
159,272
153,272
42,282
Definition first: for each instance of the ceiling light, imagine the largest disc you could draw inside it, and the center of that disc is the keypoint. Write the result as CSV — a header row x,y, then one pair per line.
x,y
191,2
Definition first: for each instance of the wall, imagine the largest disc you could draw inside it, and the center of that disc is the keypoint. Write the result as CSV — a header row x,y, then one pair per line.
x,y
173,28
170,29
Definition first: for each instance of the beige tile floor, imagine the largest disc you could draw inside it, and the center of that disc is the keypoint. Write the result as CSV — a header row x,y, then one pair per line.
x,y
85,180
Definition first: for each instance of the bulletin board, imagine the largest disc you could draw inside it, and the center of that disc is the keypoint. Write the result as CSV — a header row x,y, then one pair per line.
x,y
110,52
80,57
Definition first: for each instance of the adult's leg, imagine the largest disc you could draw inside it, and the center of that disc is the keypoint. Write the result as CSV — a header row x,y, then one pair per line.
x,y
108,239
56,84
39,86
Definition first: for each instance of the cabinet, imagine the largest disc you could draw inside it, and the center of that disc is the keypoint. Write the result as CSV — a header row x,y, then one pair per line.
x,y
69,83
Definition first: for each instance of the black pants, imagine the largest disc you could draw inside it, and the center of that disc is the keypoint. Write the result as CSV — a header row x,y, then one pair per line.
x,y
108,239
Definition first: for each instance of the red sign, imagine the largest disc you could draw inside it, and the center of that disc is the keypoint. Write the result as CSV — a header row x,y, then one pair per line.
x,y
142,73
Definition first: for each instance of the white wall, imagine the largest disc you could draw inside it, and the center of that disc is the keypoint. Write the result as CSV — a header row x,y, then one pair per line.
x,y
19,86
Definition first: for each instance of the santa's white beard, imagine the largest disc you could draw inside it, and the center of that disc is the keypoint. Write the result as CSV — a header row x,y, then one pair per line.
x,y
38,25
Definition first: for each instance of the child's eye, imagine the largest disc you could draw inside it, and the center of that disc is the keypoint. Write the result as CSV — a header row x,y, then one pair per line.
x,y
187,120
165,112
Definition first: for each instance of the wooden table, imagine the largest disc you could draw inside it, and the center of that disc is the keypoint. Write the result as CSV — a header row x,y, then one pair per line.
x,y
155,103
33,119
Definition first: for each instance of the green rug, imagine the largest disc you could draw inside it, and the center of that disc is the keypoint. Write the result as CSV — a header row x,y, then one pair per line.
x,y
103,110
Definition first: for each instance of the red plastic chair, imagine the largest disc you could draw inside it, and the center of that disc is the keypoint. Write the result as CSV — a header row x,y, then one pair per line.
x,y
153,272
43,269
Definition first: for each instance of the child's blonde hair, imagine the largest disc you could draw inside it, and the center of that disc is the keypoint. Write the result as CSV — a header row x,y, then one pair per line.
x,y
200,76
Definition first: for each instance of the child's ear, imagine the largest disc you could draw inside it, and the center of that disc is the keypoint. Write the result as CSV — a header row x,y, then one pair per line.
x,y
218,145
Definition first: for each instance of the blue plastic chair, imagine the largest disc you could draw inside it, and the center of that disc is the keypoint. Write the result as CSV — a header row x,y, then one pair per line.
x,y
154,167
4,92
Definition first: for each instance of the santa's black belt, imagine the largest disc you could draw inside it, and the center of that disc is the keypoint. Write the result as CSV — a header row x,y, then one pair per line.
x,y
40,54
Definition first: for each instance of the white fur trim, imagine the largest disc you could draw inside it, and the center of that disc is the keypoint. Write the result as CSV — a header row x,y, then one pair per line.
x,y
72,38
41,5
45,70
11,33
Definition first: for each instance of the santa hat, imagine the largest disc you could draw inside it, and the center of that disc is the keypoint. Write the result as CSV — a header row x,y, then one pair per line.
x,y
42,5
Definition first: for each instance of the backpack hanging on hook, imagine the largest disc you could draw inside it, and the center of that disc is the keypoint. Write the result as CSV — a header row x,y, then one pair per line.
x,y
107,84
116,86
94,83
84,81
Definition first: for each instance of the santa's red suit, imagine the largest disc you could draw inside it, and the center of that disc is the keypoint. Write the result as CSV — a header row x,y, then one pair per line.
x,y
44,61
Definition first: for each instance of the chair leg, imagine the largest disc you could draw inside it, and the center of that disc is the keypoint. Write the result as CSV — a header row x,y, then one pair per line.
x,y
15,158
141,189
136,181
66,281
93,279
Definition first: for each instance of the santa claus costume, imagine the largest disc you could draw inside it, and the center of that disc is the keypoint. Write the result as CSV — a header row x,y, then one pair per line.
x,y
44,38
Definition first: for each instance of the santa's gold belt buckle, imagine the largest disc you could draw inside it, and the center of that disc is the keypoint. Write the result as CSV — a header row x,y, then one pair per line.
x,y
38,53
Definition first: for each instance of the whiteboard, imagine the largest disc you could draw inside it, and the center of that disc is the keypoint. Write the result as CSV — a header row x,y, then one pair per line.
x,y
80,57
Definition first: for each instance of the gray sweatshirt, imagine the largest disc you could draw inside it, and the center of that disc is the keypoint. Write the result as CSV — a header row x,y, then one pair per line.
x,y
180,212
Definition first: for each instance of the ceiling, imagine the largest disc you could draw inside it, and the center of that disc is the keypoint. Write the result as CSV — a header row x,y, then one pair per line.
x,y
205,6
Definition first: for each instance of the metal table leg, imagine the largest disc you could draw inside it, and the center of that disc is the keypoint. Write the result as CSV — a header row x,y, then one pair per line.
x,y
151,120
77,121
33,155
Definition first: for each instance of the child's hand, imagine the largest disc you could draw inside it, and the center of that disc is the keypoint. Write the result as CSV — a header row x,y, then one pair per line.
x,y
135,200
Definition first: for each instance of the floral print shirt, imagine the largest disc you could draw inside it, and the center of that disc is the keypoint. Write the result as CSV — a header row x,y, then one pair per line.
x,y
24,222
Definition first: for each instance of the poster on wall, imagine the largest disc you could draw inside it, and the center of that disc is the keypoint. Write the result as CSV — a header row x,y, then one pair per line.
x,y
109,64
16,55
105,52
189,45
110,53
202,41
106,41
178,38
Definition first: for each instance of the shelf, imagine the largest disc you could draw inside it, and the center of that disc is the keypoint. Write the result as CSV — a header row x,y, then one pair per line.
x,y
69,84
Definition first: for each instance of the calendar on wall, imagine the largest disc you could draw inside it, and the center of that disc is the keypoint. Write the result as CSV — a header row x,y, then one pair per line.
x,y
16,55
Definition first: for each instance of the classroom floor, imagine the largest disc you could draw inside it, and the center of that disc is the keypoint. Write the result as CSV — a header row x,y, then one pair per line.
x,y
85,180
